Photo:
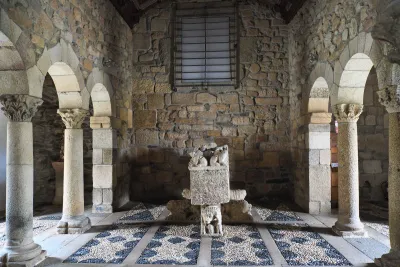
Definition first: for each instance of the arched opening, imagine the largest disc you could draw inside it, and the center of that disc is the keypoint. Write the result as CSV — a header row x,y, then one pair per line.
x,y
372,151
319,148
48,143
358,104
103,152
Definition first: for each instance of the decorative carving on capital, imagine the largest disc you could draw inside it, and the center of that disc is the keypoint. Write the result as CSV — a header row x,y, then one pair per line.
x,y
73,118
348,112
20,108
390,98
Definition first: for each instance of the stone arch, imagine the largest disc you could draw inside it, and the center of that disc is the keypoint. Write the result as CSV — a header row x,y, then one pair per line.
x,y
353,67
13,78
318,101
318,87
318,198
101,92
63,65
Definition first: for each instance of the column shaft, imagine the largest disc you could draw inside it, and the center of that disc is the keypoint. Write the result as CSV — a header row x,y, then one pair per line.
x,y
20,249
394,180
73,174
73,220
349,223
391,100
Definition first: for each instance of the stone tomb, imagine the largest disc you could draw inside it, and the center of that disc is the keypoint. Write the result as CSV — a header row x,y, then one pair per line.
x,y
210,198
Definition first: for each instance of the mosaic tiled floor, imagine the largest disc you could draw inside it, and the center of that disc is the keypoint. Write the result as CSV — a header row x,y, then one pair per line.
x,y
142,212
111,246
241,245
281,213
176,245
299,245
40,224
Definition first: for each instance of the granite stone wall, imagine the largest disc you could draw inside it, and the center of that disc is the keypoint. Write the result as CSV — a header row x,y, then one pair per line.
x,y
319,36
252,119
87,35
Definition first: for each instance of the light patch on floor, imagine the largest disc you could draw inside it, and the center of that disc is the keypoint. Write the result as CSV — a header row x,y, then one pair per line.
x,y
299,245
281,213
111,246
173,244
241,245
382,228
142,212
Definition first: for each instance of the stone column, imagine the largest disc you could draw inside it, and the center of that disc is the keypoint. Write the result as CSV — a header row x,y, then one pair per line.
x,y
104,168
348,224
19,247
73,219
390,98
318,145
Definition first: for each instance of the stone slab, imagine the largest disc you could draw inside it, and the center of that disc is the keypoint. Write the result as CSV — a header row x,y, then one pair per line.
x,y
209,185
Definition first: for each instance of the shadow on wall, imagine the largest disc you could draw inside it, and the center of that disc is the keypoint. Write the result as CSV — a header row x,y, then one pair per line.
x,y
3,146
160,174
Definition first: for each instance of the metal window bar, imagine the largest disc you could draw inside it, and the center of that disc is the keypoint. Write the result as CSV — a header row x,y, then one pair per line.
x,y
216,32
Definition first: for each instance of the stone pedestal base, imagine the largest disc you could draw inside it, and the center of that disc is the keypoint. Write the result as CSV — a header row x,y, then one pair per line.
x,y
211,221
77,225
350,233
391,259
102,208
23,257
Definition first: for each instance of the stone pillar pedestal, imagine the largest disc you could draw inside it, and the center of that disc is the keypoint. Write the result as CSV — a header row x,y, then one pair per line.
x,y
319,160
73,219
20,249
390,98
348,224
59,169
104,168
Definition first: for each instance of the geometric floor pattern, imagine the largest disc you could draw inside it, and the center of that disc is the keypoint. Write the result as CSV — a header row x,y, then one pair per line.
x,y
174,245
241,245
110,246
281,230
300,245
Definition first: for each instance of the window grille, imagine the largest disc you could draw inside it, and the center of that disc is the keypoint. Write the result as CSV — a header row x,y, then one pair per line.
x,y
205,44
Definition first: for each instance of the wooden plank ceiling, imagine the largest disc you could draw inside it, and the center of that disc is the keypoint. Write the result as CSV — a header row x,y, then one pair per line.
x,y
131,10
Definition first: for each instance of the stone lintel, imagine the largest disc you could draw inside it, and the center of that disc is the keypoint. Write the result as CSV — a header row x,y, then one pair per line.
x,y
319,118
348,112
101,122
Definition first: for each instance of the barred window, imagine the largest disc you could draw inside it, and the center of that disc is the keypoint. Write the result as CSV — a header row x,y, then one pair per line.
x,y
206,43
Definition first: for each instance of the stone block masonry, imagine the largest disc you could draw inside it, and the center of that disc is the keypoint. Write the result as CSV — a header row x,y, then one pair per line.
x,y
252,119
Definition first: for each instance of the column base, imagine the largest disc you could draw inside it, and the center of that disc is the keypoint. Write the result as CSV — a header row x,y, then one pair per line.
x,y
102,208
24,257
73,225
350,233
392,259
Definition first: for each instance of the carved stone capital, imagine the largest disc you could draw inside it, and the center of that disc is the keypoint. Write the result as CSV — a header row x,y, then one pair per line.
x,y
348,112
73,118
20,108
390,98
